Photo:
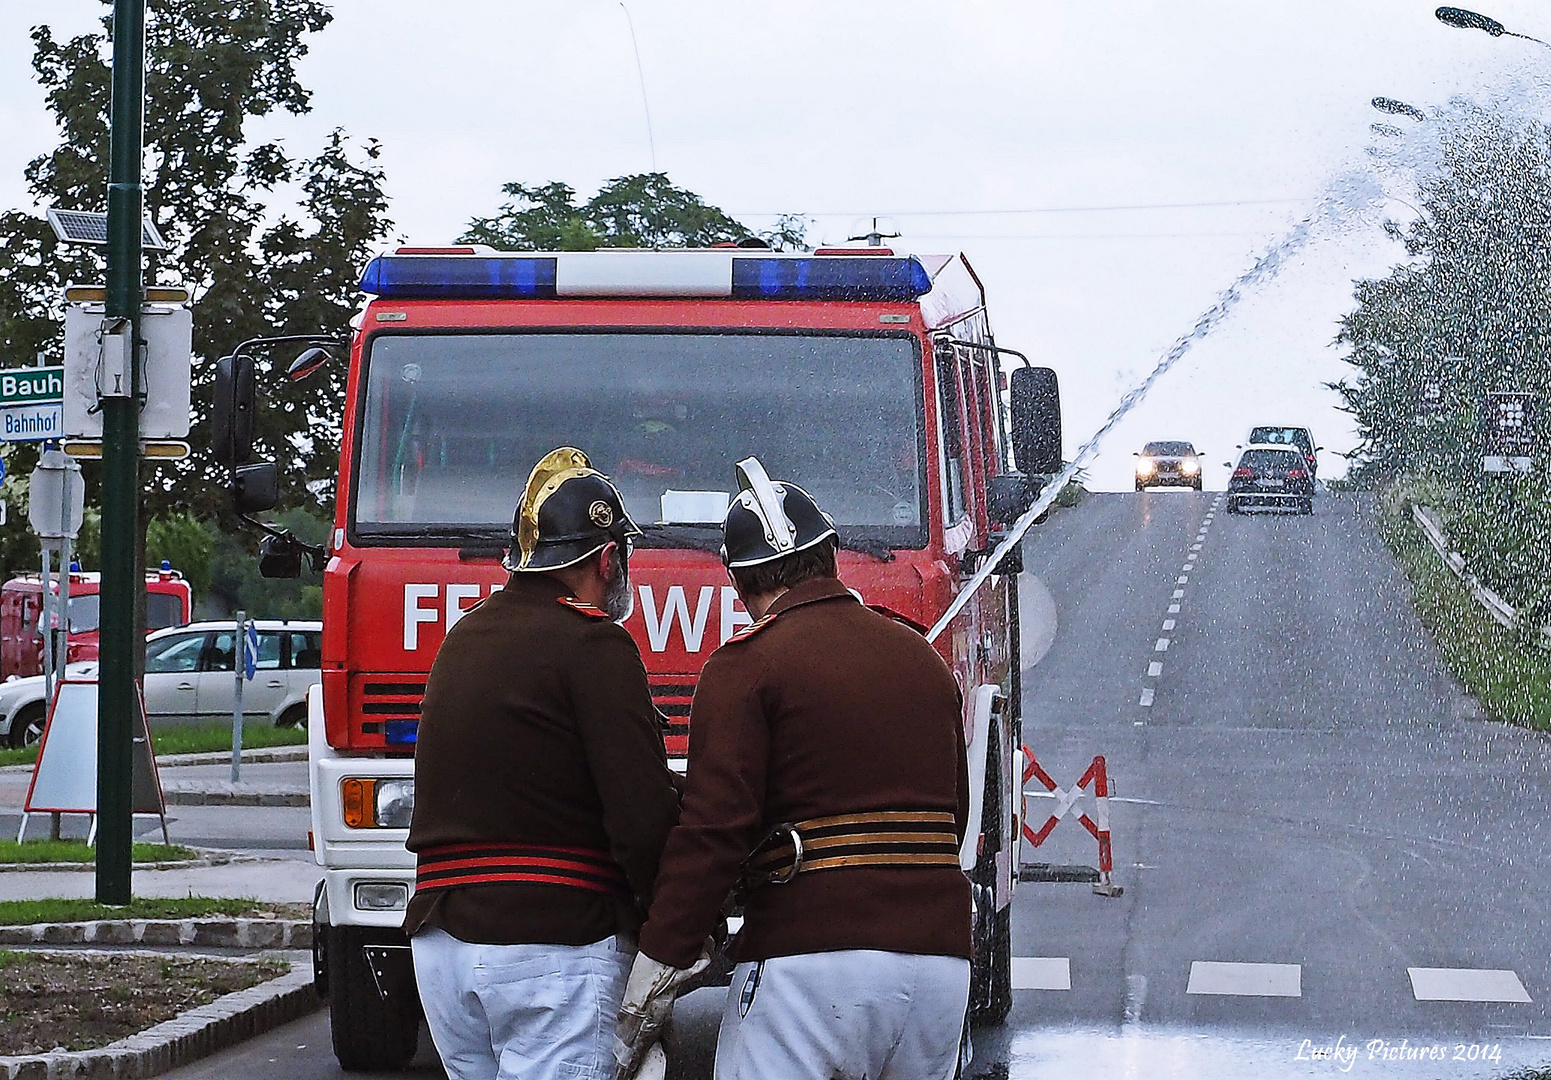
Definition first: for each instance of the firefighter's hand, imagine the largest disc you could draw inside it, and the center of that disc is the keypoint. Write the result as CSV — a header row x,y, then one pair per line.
x,y
648,1003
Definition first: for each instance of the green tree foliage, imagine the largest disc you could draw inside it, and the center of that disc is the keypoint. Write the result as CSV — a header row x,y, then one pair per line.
x,y
1469,312
643,210
185,542
257,267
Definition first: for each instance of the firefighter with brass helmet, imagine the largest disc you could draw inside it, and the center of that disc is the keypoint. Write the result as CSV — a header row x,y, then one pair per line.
x,y
542,797
827,783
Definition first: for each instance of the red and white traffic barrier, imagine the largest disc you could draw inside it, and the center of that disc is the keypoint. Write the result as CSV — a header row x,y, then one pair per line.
x,y
1068,801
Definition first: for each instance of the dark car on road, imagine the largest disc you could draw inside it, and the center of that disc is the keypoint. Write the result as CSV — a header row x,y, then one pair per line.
x,y
1273,477
1168,464
1300,437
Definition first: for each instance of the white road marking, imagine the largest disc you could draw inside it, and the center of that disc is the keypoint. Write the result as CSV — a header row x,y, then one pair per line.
x,y
1154,669
1173,609
1041,973
1168,624
1162,646
1189,566
1136,997
1178,593
1147,693
1195,547
1181,580
1467,984
1245,980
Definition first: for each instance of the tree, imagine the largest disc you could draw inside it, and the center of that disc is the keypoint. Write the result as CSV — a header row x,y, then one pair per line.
x,y
255,267
643,210
1467,313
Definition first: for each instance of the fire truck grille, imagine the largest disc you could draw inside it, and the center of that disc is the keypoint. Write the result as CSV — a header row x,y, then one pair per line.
x,y
391,709
671,694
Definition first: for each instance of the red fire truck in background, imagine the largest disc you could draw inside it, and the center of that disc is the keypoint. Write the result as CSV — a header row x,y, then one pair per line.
x,y
169,601
870,378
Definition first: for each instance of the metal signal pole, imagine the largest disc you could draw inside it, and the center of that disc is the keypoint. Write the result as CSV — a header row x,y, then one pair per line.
x,y
118,695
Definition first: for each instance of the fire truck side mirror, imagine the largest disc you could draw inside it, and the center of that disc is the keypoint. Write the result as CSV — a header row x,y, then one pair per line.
x,y
280,557
1009,495
1036,420
256,487
231,414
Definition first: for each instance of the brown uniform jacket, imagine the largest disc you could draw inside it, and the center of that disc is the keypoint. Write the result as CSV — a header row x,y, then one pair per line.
x,y
828,708
538,728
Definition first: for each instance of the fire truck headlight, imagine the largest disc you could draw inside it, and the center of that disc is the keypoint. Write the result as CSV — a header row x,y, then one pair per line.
x,y
395,803
381,896
377,804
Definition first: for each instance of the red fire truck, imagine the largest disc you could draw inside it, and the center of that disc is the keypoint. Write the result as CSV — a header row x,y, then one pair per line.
x,y
168,602
871,378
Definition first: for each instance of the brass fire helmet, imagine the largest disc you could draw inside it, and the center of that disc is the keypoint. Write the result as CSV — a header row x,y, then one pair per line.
x,y
568,512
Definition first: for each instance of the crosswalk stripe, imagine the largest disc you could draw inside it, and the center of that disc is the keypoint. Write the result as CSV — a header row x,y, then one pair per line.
x,y
1467,984
1245,980
1041,973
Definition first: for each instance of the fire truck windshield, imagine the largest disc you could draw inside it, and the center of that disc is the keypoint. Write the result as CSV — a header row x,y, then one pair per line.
x,y
450,424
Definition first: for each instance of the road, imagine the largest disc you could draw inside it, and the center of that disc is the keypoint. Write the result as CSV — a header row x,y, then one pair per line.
x,y
1304,788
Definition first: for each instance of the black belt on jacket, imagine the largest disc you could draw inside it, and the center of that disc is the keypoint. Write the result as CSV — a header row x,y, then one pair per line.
x,y
910,838
448,866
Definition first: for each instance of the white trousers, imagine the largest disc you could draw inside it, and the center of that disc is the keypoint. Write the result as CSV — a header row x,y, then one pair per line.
x,y
538,1012
858,1014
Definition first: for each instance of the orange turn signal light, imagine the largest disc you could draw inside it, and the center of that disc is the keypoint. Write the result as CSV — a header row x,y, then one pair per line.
x,y
356,798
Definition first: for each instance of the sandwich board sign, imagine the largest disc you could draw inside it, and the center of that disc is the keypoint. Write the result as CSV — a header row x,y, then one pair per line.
x,y
64,779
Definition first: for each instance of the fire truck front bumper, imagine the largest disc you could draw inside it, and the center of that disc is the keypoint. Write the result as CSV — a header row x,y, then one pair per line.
x,y
368,896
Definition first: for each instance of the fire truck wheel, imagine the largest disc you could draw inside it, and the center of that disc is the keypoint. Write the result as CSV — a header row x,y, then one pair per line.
x,y
990,982
370,1035
27,727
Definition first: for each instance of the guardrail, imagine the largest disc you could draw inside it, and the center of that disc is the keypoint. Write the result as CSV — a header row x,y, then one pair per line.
x,y
1499,609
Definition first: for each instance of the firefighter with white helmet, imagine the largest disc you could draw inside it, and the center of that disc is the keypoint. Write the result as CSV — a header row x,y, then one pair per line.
x,y
827,783
542,797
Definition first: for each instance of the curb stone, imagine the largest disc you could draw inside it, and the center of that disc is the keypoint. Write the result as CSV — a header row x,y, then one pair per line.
x,y
185,1038
222,933
207,857
49,867
179,793
263,756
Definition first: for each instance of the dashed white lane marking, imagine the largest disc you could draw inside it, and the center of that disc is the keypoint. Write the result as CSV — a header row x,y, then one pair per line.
x,y
1173,609
1168,624
1154,669
1162,646
1195,547
1147,695
1041,973
1182,580
1245,980
1178,593
1467,984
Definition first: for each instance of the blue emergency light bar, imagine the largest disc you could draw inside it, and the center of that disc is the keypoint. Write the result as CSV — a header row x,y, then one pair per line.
x,y
711,274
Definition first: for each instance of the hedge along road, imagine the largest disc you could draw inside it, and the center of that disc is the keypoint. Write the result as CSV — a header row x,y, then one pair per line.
x,y
1307,809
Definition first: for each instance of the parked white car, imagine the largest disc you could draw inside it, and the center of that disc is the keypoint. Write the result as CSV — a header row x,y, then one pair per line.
x,y
189,678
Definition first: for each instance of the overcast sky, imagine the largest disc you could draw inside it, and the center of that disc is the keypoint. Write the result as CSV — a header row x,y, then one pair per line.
x,y
989,127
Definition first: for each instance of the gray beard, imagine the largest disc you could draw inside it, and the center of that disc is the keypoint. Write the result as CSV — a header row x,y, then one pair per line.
x,y
619,599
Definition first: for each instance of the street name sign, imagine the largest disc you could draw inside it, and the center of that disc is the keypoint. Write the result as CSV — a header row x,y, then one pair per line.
x,y
32,404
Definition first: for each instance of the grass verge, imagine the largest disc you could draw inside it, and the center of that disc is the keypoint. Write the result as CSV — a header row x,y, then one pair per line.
x,y
1511,681
27,912
256,735
76,851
